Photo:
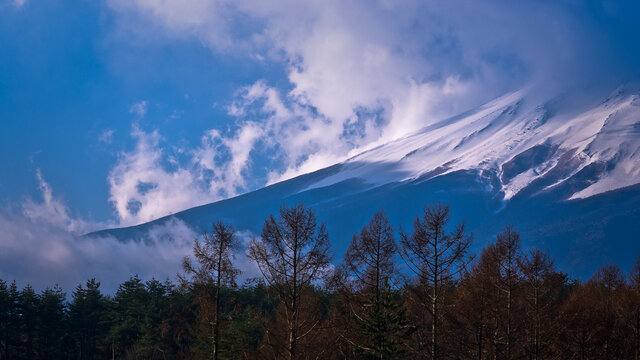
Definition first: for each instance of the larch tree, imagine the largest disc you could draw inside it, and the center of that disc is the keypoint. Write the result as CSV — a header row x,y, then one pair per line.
x,y
633,312
541,286
609,284
436,256
370,256
213,267
292,253
370,262
508,253
474,304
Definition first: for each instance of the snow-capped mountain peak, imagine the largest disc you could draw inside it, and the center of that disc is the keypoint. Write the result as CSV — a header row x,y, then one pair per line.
x,y
517,141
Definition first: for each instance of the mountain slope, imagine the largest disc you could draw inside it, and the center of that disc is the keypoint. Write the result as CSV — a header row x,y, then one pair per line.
x,y
519,142
564,174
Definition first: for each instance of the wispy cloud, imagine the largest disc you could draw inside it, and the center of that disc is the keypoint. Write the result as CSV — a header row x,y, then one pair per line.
x,y
19,3
54,212
148,182
143,187
106,136
139,108
43,245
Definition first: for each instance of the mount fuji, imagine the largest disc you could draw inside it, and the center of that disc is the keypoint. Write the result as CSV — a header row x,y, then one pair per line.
x,y
564,171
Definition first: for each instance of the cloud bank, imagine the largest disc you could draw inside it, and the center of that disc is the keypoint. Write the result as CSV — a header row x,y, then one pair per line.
x,y
38,253
42,245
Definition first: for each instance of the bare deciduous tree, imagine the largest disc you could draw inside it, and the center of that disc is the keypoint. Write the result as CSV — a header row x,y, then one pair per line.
x,y
474,305
609,284
370,256
537,269
292,253
634,307
370,262
508,255
436,256
214,257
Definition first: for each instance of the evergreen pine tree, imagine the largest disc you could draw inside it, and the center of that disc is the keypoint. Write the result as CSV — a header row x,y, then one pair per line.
x,y
88,322
385,324
52,323
28,304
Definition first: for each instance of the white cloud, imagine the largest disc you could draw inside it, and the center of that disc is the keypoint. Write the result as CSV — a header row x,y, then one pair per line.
x,y
302,139
143,188
358,73
106,136
36,252
210,20
147,183
41,254
222,161
139,108
54,212
43,245
19,3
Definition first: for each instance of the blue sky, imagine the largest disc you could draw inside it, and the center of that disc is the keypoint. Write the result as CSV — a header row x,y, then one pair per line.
x,y
116,112
69,78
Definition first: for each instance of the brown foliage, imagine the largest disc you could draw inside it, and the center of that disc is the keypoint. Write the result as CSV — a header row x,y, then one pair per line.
x,y
214,269
292,253
436,257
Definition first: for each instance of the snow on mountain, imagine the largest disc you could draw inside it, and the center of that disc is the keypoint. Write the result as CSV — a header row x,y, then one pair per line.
x,y
518,140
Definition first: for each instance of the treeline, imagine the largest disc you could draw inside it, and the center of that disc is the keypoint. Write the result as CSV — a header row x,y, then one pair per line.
x,y
415,294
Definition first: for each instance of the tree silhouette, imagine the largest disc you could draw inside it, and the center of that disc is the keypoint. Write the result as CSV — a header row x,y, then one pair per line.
x,y
633,306
292,253
436,256
370,262
87,317
507,252
215,268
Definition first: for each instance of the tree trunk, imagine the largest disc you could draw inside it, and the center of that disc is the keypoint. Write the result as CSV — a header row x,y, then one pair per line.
x,y
294,303
479,338
536,345
509,300
434,301
637,352
480,331
216,326
377,289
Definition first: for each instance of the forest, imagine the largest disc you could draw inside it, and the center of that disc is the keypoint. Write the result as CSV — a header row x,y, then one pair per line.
x,y
415,293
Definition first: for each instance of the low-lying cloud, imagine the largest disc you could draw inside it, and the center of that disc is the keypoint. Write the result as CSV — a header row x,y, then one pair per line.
x,y
42,255
42,245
